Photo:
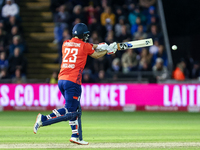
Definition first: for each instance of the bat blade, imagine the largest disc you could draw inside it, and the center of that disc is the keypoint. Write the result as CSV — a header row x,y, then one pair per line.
x,y
135,44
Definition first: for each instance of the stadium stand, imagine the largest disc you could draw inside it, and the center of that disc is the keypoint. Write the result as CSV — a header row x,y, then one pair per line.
x,y
12,45
111,21
39,27
38,31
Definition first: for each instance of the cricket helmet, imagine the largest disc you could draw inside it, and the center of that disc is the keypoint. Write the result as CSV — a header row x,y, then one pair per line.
x,y
81,31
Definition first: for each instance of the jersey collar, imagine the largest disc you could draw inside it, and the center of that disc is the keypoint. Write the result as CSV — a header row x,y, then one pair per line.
x,y
75,39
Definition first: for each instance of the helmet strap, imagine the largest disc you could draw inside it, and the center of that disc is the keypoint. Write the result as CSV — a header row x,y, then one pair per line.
x,y
86,37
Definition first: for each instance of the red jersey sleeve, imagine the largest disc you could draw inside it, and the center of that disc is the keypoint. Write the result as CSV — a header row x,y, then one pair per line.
x,y
88,48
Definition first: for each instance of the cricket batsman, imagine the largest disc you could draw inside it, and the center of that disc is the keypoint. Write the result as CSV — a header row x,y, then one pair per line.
x,y
74,56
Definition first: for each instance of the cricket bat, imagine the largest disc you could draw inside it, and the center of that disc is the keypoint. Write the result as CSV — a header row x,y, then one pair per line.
x,y
135,44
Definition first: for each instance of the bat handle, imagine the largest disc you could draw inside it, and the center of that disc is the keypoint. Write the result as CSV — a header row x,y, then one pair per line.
x,y
118,47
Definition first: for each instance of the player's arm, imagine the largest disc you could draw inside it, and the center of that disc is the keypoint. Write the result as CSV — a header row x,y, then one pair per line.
x,y
103,49
111,49
95,46
97,55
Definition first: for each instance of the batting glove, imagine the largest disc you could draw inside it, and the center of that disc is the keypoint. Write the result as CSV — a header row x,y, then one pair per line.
x,y
112,48
102,47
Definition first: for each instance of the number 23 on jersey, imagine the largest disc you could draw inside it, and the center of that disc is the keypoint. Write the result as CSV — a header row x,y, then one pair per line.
x,y
73,51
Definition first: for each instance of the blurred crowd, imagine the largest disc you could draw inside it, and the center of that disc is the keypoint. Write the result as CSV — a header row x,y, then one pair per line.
x,y
114,21
108,21
187,68
12,45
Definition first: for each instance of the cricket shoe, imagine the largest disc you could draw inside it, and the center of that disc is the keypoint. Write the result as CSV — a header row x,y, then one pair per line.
x,y
77,141
38,123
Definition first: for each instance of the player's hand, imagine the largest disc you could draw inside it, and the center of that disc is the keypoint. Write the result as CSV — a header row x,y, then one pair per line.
x,y
102,47
112,48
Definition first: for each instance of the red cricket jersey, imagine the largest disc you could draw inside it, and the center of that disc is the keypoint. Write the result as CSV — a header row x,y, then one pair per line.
x,y
74,56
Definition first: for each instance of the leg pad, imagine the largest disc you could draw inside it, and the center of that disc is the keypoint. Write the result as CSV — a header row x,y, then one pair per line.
x,y
74,126
66,117
56,113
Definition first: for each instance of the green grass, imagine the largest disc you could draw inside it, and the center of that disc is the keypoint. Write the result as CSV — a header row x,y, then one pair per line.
x,y
106,127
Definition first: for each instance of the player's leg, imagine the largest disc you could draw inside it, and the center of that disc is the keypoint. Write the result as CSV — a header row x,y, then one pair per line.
x,y
72,93
57,115
72,105
79,128
79,140
74,139
66,117
72,97
75,123
39,123
70,111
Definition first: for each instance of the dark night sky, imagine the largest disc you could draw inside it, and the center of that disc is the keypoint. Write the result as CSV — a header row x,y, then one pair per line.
x,y
183,25
182,16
